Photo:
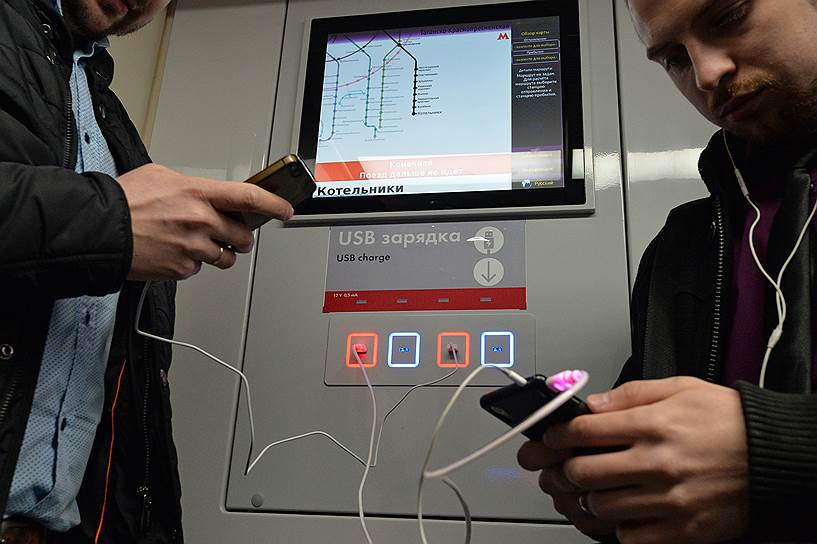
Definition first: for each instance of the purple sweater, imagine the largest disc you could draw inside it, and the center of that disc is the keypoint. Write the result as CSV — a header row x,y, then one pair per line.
x,y
747,341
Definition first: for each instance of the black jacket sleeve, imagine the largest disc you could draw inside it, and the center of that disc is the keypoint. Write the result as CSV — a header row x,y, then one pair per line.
x,y
62,234
781,431
633,368
781,439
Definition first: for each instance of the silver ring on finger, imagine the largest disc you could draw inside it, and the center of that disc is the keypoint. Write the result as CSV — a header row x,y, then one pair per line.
x,y
583,504
217,260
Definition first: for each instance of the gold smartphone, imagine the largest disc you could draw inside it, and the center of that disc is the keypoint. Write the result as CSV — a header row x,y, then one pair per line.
x,y
289,178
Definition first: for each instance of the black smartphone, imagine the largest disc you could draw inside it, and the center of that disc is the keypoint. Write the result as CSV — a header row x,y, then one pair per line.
x,y
289,178
514,403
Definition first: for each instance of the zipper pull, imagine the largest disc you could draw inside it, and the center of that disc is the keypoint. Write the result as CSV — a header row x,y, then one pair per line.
x,y
144,513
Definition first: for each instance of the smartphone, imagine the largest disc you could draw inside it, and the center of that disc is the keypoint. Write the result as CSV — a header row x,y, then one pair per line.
x,y
514,403
289,178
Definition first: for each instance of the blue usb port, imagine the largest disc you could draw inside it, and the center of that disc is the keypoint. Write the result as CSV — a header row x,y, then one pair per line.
x,y
404,349
497,348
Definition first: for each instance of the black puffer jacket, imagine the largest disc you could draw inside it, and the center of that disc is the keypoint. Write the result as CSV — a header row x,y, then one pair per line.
x,y
681,316
62,235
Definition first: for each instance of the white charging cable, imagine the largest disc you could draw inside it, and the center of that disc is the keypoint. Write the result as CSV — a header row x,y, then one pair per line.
x,y
210,356
529,422
399,402
780,300
374,445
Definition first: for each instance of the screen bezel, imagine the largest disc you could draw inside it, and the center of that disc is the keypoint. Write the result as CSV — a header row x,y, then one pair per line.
x,y
574,191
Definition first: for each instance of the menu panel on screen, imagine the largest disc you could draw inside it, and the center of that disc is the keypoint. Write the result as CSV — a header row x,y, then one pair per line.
x,y
417,115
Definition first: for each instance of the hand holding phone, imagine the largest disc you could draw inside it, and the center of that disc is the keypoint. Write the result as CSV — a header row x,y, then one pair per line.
x,y
177,221
513,404
289,178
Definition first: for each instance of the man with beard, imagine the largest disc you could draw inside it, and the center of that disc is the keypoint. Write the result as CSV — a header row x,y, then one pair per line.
x,y
725,451
86,451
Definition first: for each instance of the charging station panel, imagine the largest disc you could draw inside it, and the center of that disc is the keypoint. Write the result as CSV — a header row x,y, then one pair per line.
x,y
407,349
305,378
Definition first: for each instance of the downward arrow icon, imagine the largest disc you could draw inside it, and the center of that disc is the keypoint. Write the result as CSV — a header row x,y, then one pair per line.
x,y
490,277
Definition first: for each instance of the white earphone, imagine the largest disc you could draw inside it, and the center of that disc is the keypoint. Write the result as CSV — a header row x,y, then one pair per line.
x,y
779,298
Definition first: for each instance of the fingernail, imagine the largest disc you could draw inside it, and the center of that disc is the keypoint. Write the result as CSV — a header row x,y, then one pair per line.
x,y
291,213
545,438
598,400
196,268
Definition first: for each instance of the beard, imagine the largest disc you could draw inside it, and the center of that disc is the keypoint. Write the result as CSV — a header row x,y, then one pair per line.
x,y
799,114
83,24
790,117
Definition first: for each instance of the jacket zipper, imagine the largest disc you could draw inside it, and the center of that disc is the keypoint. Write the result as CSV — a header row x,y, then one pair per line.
x,y
714,347
69,124
14,383
143,491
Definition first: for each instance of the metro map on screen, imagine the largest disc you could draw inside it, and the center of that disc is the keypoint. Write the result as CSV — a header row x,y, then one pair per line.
x,y
439,109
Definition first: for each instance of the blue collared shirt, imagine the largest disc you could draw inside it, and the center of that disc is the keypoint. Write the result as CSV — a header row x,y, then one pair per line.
x,y
70,389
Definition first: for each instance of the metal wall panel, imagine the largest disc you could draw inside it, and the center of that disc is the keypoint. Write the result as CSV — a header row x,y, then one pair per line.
x,y
662,135
221,99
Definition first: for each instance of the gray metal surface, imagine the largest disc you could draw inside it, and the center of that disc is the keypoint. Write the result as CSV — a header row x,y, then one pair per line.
x,y
215,115
663,136
285,358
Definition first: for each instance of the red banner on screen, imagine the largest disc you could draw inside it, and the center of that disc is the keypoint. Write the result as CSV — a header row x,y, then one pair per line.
x,y
424,167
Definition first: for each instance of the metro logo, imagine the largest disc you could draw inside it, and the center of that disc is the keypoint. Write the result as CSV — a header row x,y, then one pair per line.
x,y
503,36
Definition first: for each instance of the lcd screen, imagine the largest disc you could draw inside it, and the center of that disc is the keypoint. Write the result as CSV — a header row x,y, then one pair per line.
x,y
418,115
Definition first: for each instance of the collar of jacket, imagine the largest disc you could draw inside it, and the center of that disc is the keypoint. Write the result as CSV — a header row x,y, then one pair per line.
x,y
59,36
64,43
755,162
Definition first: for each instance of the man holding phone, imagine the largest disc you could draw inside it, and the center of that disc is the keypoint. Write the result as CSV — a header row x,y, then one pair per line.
x,y
86,451
708,456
